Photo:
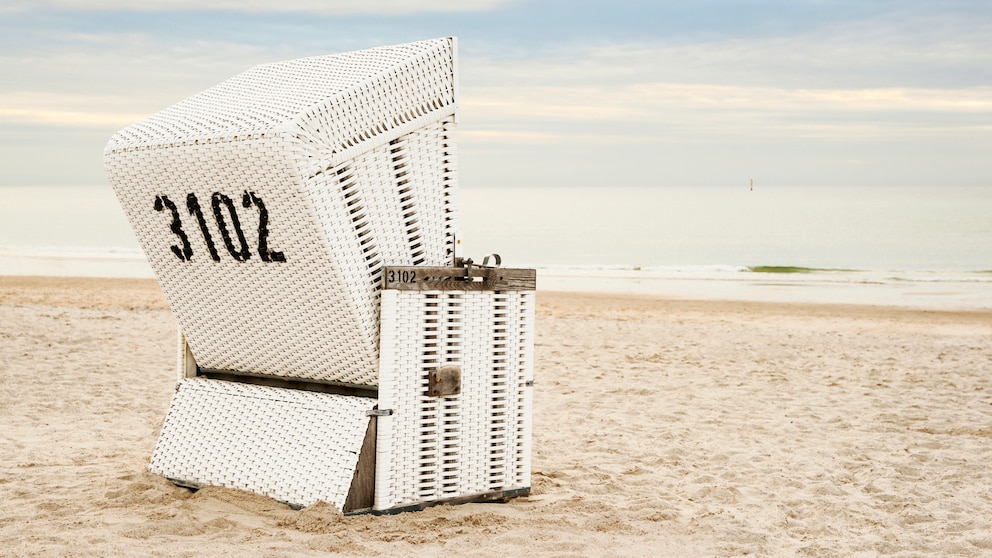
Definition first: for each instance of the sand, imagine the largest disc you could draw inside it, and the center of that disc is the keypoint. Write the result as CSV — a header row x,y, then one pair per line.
x,y
662,428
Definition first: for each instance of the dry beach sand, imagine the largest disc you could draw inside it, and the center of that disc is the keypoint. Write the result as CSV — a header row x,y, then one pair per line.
x,y
662,428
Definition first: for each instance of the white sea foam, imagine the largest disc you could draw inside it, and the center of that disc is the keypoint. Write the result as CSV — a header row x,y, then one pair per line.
x,y
74,262
944,291
73,252
914,246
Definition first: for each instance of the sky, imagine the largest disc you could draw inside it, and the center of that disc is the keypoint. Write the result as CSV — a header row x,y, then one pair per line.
x,y
563,93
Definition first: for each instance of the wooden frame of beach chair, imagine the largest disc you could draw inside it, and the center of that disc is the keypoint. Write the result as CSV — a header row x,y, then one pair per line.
x,y
277,210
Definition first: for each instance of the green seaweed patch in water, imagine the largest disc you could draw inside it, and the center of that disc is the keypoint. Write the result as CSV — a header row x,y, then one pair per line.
x,y
792,269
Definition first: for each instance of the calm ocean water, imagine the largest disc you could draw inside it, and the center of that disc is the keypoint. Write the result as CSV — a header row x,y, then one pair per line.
x,y
885,229
838,235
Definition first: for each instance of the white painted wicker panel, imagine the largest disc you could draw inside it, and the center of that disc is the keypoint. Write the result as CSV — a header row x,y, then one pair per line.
x,y
291,445
472,443
329,104
426,169
301,317
519,307
312,139
411,94
394,211
384,206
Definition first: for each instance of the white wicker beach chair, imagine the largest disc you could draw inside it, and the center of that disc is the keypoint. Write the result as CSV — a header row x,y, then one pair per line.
x,y
271,208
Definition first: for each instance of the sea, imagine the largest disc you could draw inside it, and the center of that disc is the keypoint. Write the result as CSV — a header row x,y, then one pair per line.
x,y
925,247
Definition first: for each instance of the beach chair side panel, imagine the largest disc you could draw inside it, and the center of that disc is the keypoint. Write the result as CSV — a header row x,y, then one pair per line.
x,y
246,270
464,446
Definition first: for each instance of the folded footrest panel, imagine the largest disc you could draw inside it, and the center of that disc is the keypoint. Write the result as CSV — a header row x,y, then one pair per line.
x,y
294,446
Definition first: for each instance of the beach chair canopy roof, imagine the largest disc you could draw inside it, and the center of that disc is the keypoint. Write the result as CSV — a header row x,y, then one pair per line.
x,y
339,104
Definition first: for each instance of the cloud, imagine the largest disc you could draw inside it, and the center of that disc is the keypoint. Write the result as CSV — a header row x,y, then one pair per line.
x,y
115,74
67,110
892,79
35,115
846,86
947,50
656,102
327,7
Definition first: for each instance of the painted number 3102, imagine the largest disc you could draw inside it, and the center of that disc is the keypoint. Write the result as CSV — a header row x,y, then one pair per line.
x,y
402,276
225,215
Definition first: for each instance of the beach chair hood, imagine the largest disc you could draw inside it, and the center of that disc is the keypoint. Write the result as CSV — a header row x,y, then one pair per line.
x,y
268,204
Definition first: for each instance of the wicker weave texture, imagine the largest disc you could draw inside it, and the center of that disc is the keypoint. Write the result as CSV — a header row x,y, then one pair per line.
x,y
475,442
294,446
268,204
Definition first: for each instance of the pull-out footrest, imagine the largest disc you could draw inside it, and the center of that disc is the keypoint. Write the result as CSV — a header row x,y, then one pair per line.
x,y
292,445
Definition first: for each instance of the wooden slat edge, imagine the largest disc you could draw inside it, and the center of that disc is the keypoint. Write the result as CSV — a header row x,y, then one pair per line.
x,y
362,492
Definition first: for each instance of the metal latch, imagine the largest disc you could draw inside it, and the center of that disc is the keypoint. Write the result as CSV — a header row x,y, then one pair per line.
x,y
444,381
